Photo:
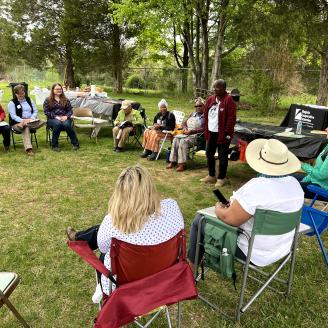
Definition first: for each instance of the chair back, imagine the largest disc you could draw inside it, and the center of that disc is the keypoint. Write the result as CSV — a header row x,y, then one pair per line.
x,y
320,219
82,112
132,262
267,222
179,116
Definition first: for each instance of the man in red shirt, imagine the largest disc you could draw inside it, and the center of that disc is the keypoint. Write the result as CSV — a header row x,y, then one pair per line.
x,y
4,130
219,123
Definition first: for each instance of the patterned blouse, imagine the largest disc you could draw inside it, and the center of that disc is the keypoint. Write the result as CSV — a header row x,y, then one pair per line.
x,y
156,230
57,109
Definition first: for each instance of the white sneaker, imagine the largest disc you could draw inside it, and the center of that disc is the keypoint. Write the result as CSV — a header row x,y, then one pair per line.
x,y
98,295
220,182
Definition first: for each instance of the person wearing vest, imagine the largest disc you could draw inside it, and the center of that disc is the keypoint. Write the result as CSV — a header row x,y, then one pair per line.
x,y
4,130
23,117
219,123
58,110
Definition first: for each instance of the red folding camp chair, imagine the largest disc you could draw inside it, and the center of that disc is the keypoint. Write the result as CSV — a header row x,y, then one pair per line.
x,y
146,278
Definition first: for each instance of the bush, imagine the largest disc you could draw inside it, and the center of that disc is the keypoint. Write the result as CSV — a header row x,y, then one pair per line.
x,y
135,81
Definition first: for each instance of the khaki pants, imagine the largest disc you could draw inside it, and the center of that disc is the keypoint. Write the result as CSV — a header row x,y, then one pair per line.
x,y
121,135
26,132
180,148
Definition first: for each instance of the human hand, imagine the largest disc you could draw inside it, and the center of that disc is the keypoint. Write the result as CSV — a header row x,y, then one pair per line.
x,y
186,132
58,118
63,118
156,126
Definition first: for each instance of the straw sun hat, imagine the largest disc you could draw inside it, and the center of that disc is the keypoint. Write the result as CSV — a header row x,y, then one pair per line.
x,y
271,157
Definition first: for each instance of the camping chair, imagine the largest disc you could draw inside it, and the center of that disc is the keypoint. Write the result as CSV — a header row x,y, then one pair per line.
x,y
8,282
49,131
146,277
316,219
135,134
199,144
33,137
84,114
265,223
179,116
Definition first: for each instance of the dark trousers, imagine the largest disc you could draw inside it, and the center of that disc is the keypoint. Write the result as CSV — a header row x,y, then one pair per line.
x,y
193,241
307,193
223,151
58,126
5,131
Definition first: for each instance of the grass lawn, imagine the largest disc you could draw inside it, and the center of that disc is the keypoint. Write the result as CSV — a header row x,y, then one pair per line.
x,y
42,195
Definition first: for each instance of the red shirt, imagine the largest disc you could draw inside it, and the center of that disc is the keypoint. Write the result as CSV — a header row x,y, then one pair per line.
x,y
2,114
227,118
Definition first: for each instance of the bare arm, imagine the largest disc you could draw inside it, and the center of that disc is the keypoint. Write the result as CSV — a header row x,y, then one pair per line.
x,y
234,215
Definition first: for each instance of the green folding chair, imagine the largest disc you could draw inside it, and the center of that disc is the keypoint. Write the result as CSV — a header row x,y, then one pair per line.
x,y
266,222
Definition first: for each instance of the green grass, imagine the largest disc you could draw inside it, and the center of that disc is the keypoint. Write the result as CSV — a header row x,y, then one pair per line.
x,y
42,195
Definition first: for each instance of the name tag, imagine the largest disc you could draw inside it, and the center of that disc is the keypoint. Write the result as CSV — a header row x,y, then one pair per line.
x,y
19,106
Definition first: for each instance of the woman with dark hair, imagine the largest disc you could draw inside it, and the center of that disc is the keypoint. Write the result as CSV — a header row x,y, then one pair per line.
x,y
58,110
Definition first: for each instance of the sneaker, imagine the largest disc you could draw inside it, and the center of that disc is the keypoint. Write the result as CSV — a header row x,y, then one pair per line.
x,y
71,233
6,149
114,148
29,152
75,147
208,179
152,157
220,182
119,149
145,153
57,149
98,295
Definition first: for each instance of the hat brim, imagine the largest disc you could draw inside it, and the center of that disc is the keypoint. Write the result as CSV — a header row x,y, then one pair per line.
x,y
259,165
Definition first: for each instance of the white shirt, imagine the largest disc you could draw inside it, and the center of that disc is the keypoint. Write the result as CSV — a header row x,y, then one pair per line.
x,y
156,230
213,117
26,110
276,194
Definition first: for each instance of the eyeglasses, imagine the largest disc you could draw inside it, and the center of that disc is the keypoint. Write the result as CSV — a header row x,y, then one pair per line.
x,y
198,106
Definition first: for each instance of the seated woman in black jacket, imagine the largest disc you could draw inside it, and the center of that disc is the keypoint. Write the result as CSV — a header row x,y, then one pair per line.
x,y
164,120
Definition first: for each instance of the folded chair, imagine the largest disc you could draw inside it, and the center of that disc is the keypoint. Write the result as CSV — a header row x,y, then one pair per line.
x,y
316,219
8,282
146,278
265,223
179,116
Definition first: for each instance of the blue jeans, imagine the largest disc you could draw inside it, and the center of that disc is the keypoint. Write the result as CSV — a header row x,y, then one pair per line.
x,y
58,126
5,131
307,194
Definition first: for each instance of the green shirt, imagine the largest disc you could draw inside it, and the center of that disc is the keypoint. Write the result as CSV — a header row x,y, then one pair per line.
x,y
318,173
135,114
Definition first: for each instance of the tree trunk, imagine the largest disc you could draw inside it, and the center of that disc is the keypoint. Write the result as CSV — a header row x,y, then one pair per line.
x,y
184,71
69,80
217,63
198,65
117,59
322,96
205,49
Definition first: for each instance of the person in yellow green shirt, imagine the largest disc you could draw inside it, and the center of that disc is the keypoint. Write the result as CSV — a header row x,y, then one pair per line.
x,y
125,121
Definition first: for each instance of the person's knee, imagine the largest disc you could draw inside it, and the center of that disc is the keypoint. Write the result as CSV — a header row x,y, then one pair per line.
x,y
54,124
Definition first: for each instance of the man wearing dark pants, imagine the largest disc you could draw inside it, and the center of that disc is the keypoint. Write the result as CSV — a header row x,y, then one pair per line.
x,y
219,123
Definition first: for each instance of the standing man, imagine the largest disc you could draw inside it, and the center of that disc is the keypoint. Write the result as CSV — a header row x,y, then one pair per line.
x,y
4,130
219,123
126,119
23,116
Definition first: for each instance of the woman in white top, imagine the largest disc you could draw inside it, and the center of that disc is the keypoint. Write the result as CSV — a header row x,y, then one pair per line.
x,y
272,190
137,215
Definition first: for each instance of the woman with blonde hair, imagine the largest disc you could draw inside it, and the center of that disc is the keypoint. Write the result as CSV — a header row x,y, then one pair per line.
x,y
136,215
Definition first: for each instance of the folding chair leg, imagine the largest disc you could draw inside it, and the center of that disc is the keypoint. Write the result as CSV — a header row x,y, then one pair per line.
x,y
292,264
168,317
319,239
161,147
179,315
15,312
13,139
36,140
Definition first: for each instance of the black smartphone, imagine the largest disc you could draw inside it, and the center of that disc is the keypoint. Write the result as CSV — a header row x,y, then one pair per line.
x,y
220,197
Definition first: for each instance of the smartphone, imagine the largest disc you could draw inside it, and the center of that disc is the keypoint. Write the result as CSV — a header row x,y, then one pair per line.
x,y
220,197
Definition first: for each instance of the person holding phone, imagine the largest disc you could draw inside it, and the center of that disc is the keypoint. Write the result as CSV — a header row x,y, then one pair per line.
x,y
273,189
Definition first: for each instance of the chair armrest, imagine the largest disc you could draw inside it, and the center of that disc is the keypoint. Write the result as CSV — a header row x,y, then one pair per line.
x,y
317,190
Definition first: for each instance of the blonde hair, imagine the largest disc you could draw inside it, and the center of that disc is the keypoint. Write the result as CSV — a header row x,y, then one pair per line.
x,y
134,199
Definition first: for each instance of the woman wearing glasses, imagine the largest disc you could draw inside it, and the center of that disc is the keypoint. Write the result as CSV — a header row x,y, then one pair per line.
x,y
182,142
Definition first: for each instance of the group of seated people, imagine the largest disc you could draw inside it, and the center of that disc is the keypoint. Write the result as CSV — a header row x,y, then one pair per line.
x,y
23,118
143,218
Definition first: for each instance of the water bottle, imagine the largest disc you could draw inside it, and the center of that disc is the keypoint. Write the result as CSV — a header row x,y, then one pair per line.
x,y
299,127
224,252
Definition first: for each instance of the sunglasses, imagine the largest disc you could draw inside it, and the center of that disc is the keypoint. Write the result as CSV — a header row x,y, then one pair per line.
x,y
198,106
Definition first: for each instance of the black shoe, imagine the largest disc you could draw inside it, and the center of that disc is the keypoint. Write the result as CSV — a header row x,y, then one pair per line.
x,y
152,157
6,149
114,148
57,149
145,153
75,147
119,149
